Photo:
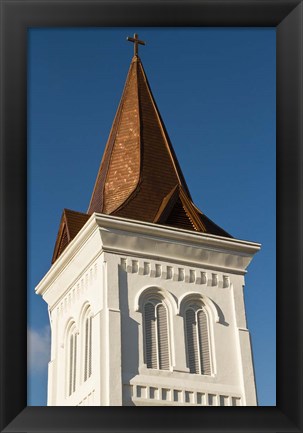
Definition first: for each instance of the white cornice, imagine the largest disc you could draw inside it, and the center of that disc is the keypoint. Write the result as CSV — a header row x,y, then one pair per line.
x,y
73,247
175,234
130,231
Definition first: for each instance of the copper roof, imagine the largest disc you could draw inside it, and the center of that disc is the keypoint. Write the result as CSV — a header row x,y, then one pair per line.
x,y
70,225
139,175
139,168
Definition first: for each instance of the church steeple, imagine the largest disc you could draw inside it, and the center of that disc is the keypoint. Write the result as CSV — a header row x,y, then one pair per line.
x,y
131,303
139,170
139,176
139,167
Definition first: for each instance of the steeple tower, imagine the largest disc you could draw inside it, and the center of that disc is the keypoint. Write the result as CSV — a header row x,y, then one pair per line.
x,y
145,293
139,167
139,175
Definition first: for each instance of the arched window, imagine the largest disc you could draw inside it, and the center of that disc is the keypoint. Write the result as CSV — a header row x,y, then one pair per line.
x,y
86,321
87,346
156,335
71,359
197,339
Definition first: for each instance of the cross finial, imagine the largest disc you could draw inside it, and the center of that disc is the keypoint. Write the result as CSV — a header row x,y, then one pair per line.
x,y
136,41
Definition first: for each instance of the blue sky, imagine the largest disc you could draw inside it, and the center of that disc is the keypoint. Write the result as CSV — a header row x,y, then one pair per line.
x,y
215,89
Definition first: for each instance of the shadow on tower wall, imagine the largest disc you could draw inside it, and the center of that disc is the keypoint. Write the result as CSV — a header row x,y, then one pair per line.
x,y
129,339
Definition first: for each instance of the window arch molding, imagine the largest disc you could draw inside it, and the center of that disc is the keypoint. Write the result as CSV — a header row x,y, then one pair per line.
x,y
85,321
191,297
156,297
150,292
70,323
199,313
70,345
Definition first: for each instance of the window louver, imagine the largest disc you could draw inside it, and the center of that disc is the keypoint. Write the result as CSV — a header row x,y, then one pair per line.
x,y
198,353
71,347
72,359
163,347
75,364
150,336
192,343
156,336
88,348
204,342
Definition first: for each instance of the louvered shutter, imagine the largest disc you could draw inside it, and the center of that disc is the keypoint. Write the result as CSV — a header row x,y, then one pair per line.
x,y
192,342
163,346
71,355
86,350
90,347
150,336
75,363
204,342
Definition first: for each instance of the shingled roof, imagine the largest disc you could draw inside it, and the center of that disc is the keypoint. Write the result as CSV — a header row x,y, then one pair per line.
x,y
70,225
139,175
139,171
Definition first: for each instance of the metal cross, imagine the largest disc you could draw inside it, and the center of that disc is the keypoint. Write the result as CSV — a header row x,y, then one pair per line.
x,y
136,41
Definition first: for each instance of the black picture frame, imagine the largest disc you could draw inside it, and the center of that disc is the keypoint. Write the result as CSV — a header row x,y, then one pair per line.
x,y
16,17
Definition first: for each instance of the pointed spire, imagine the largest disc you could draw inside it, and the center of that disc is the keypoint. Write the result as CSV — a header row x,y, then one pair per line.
x,y
139,175
139,166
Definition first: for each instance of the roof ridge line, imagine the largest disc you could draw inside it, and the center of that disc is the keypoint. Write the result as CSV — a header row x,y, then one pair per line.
x,y
114,126
135,60
191,208
164,132
134,63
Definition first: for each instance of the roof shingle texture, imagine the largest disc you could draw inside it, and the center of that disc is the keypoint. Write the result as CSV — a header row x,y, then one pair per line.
x,y
139,175
139,167
70,225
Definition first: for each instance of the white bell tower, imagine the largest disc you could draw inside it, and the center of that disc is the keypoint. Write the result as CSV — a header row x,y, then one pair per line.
x,y
145,292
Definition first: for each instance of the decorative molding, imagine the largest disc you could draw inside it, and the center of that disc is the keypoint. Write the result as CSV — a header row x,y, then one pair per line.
x,y
145,394
194,296
174,273
150,291
77,291
234,251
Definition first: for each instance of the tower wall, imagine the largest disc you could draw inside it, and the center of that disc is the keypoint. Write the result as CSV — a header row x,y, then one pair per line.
x,y
225,385
110,267
75,285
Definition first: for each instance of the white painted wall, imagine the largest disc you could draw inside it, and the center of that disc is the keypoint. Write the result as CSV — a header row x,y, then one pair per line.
x,y
110,265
